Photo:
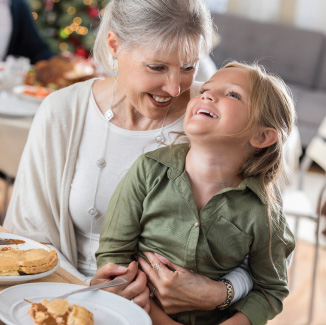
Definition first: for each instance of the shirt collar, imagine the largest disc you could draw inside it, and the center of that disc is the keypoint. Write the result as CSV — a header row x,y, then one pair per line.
x,y
174,157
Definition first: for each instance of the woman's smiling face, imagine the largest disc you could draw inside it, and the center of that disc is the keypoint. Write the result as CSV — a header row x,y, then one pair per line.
x,y
222,108
152,82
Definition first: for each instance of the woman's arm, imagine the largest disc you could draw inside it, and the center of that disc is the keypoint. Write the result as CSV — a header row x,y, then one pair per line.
x,y
177,291
180,291
241,281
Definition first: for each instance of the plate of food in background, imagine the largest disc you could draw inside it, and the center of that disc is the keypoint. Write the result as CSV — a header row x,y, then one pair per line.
x,y
23,259
61,71
35,93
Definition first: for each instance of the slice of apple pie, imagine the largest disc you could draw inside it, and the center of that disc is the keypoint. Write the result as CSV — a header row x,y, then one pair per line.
x,y
59,312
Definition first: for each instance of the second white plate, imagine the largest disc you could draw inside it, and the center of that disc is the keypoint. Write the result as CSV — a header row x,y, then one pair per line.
x,y
106,307
28,244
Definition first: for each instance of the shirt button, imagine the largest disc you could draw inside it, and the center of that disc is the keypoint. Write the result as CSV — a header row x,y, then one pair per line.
x,y
196,224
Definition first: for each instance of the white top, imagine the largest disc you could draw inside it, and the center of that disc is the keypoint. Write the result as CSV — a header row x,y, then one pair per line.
x,y
122,148
5,27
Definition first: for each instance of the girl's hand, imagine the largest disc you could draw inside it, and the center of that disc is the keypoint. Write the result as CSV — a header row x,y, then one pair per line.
x,y
181,290
135,289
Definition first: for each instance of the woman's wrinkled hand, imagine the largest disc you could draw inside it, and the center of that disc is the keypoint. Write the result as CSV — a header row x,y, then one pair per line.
x,y
178,289
135,290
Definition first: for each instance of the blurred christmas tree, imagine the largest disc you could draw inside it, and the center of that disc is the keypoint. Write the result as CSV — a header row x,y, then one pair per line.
x,y
68,25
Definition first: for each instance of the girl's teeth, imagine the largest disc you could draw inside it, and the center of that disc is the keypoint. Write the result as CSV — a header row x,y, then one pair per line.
x,y
161,99
205,112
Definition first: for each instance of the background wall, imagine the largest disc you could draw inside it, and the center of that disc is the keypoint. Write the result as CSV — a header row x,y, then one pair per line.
x,y
307,14
72,24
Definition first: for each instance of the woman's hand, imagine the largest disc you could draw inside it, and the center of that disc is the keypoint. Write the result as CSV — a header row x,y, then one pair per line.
x,y
181,290
135,289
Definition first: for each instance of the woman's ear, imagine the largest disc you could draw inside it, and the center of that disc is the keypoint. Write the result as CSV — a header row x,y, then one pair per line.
x,y
264,137
113,42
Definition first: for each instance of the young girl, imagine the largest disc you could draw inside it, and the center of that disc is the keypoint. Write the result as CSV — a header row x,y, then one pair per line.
x,y
207,205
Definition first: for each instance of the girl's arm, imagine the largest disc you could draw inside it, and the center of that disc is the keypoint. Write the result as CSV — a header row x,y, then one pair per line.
x,y
269,273
119,238
159,317
121,228
237,319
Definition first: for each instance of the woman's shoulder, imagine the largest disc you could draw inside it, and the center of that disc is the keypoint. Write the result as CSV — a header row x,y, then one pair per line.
x,y
73,91
68,98
65,106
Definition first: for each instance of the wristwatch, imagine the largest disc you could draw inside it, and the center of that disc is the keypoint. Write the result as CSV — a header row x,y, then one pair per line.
x,y
229,294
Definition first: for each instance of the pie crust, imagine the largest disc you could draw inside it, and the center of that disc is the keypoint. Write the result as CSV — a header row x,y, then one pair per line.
x,y
31,261
59,312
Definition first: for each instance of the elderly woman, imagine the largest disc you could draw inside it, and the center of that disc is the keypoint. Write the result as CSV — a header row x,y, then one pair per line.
x,y
86,136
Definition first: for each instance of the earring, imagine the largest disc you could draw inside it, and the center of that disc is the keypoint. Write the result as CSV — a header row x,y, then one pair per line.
x,y
115,65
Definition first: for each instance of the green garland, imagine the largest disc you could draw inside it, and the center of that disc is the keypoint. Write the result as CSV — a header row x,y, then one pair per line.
x,y
68,25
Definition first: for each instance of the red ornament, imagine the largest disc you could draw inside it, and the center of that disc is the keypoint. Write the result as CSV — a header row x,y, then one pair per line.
x,y
81,52
48,5
93,12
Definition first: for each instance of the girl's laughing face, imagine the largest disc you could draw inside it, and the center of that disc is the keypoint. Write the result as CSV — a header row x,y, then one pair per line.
x,y
222,109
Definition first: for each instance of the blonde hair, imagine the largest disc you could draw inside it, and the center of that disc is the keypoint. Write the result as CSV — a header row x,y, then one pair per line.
x,y
270,105
164,25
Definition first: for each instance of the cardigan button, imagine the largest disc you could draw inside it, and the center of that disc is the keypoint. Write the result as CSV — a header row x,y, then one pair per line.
x,y
196,224
101,163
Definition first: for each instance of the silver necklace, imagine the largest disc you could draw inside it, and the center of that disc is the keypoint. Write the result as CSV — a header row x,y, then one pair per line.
x,y
101,162
160,138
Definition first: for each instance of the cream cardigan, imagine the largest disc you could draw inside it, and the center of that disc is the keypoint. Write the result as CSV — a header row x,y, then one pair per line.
x,y
38,207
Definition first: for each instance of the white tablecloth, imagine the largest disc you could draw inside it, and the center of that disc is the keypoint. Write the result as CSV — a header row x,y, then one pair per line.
x,y
16,116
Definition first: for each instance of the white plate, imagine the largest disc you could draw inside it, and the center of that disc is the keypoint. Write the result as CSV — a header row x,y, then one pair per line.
x,y
19,91
12,105
106,307
29,244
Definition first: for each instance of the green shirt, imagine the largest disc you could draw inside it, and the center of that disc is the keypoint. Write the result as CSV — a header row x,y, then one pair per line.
x,y
153,209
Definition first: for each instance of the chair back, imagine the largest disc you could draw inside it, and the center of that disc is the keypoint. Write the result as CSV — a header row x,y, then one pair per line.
x,y
315,152
322,129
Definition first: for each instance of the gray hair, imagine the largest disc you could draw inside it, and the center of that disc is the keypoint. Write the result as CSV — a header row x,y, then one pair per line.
x,y
164,25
